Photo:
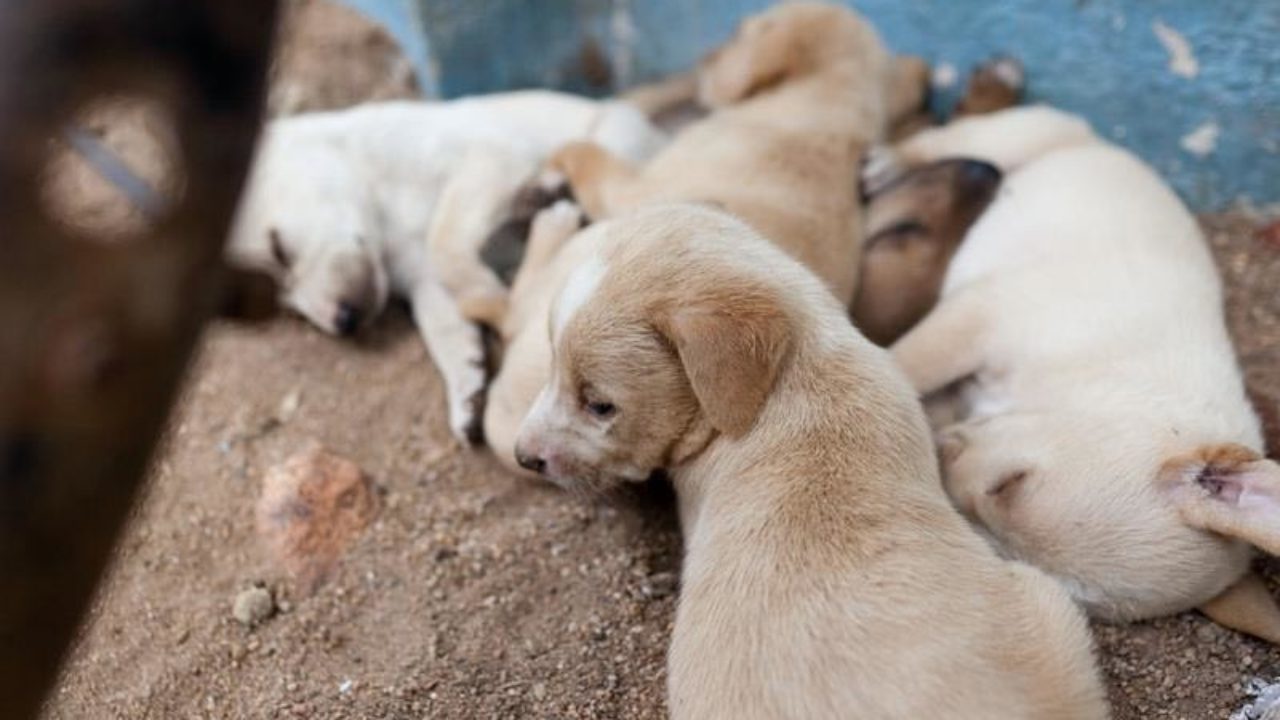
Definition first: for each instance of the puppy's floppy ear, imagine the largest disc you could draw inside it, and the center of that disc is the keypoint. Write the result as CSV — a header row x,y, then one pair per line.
x,y
1230,490
732,345
756,57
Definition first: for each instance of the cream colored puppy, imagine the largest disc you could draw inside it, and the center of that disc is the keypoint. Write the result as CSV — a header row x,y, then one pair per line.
x,y
796,96
826,575
1080,336
346,208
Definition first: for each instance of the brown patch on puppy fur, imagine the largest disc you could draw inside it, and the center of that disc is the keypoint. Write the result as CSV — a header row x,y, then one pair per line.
x,y
914,227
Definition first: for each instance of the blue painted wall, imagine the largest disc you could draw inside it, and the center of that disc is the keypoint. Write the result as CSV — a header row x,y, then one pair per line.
x,y
1101,58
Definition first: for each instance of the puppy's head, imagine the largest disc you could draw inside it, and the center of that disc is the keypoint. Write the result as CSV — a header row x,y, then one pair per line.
x,y
914,227
305,220
785,42
668,337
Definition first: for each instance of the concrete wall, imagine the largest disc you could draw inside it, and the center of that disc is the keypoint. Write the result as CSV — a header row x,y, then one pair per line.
x,y
1191,85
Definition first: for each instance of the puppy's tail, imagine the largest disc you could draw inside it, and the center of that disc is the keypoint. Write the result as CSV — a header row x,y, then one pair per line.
x,y
1248,607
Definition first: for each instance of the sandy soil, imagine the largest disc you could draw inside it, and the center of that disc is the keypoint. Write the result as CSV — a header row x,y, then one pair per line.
x,y
472,594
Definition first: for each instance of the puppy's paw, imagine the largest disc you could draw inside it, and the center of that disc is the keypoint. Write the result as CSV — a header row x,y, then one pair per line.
x,y
553,226
564,218
881,166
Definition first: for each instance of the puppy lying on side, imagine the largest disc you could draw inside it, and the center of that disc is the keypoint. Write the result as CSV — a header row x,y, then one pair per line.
x,y
348,207
826,575
796,96
916,222
1081,329
914,227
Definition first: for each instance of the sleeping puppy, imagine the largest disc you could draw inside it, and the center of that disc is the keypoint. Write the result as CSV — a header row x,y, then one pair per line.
x,y
346,208
1081,344
826,575
795,97
914,227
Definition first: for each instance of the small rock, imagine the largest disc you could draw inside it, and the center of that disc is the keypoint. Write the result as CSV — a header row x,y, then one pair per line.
x,y
312,507
289,406
660,585
540,691
253,606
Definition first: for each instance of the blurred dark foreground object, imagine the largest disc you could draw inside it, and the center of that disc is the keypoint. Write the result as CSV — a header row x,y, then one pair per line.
x,y
95,334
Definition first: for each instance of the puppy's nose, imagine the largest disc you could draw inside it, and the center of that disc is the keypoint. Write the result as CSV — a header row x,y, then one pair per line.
x,y
347,320
531,462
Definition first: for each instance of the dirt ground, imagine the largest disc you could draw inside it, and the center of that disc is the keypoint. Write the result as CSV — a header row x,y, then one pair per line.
x,y
472,594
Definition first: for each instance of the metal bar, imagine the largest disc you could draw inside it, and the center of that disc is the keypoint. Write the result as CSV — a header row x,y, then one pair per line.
x,y
115,171
94,336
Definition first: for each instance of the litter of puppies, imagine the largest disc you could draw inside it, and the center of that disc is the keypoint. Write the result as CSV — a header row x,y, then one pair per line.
x,y
692,306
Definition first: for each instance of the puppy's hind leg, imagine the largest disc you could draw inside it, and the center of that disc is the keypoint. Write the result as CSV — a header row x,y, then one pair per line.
x,y
1007,139
456,346
946,345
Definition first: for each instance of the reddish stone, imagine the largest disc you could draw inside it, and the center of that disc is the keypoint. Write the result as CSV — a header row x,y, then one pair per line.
x,y
312,507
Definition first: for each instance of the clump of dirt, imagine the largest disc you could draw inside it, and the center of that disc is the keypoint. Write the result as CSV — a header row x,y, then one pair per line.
x,y
471,593
313,506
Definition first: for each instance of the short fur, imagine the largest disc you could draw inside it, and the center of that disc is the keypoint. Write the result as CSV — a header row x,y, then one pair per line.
x,y
346,208
914,227
826,575
1081,329
796,96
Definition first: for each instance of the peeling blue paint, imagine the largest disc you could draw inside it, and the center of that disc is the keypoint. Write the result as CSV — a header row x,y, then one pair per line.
x,y
1101,58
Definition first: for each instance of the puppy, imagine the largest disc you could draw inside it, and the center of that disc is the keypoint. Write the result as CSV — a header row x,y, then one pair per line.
x,y
795,97
1080,334
826,575
914,227
346,208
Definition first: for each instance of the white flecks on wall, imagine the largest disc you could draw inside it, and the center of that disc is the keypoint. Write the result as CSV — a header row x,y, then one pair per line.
x,y
1202,141
622,31
945,75
1182,59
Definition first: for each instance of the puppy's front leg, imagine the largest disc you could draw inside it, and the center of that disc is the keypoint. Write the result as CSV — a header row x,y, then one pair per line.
x,y
946,345
457,348
601,182
1007,139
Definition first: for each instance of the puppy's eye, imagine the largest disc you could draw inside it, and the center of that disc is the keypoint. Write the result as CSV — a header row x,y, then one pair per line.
x,y
897,233
601,410
278,252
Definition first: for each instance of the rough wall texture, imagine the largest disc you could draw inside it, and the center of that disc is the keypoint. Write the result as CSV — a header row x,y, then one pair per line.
x,y
1192,85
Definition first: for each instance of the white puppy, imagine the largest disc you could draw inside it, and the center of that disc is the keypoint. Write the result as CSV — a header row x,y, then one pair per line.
x,y
1077,360
346,208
